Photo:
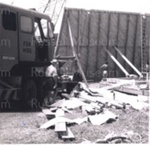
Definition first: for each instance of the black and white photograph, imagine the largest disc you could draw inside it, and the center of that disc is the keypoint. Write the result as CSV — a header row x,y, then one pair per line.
x,y
74,71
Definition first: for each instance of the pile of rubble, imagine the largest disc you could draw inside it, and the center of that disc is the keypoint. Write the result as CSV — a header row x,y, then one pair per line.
x,y
88,105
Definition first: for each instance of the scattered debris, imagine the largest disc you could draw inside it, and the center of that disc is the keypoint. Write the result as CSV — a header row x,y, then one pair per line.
x,y
55,121
102,118
90,105
112,139
68,135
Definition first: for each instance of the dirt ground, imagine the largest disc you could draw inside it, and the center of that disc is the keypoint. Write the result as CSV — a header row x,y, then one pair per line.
x,y
21,126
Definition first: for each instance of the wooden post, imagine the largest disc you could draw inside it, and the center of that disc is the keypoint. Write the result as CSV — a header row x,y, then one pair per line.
x,y
131,65
75,54
59,36
117,62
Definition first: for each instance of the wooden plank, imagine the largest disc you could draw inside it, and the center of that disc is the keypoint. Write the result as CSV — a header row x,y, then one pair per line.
x,y
60,113
102,118
65,95
59,35
58,103
48,113
60,127
55,121
129,90
74,53
69,135
118,63
131,65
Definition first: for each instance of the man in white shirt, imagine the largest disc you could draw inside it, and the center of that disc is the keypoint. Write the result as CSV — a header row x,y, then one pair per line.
x,y
51,83
51,71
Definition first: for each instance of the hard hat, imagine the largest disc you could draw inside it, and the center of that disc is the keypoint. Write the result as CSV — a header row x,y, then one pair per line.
x,y
54,61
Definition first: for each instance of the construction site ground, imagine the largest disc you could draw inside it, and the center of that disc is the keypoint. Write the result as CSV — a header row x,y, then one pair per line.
x,y
20,125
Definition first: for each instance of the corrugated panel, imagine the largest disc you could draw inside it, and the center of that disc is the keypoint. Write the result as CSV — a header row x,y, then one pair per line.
x,y
131,38
92,46
73,18
84,17
147,38
122,38
103,37
137,54
112,41
94,31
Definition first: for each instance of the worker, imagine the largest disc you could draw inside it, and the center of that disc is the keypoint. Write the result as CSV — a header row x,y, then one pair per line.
x,y
147,67
104,69
51,72
77,77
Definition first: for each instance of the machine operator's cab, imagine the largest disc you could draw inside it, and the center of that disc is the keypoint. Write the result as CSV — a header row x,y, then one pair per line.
x,y
25,37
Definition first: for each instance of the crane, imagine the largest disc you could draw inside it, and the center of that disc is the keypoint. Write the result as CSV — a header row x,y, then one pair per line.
x,y
53,8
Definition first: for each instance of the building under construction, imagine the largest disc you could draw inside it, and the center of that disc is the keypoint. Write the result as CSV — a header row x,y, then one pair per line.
x,y
100,36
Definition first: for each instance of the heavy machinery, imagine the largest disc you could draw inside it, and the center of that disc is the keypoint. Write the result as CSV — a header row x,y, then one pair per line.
x,y
26,47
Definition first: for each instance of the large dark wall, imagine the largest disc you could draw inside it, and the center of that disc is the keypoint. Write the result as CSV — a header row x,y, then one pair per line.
x,y
94,31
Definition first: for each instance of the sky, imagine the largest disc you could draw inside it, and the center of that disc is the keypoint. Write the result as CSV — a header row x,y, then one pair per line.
x,y
116,5
142,6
